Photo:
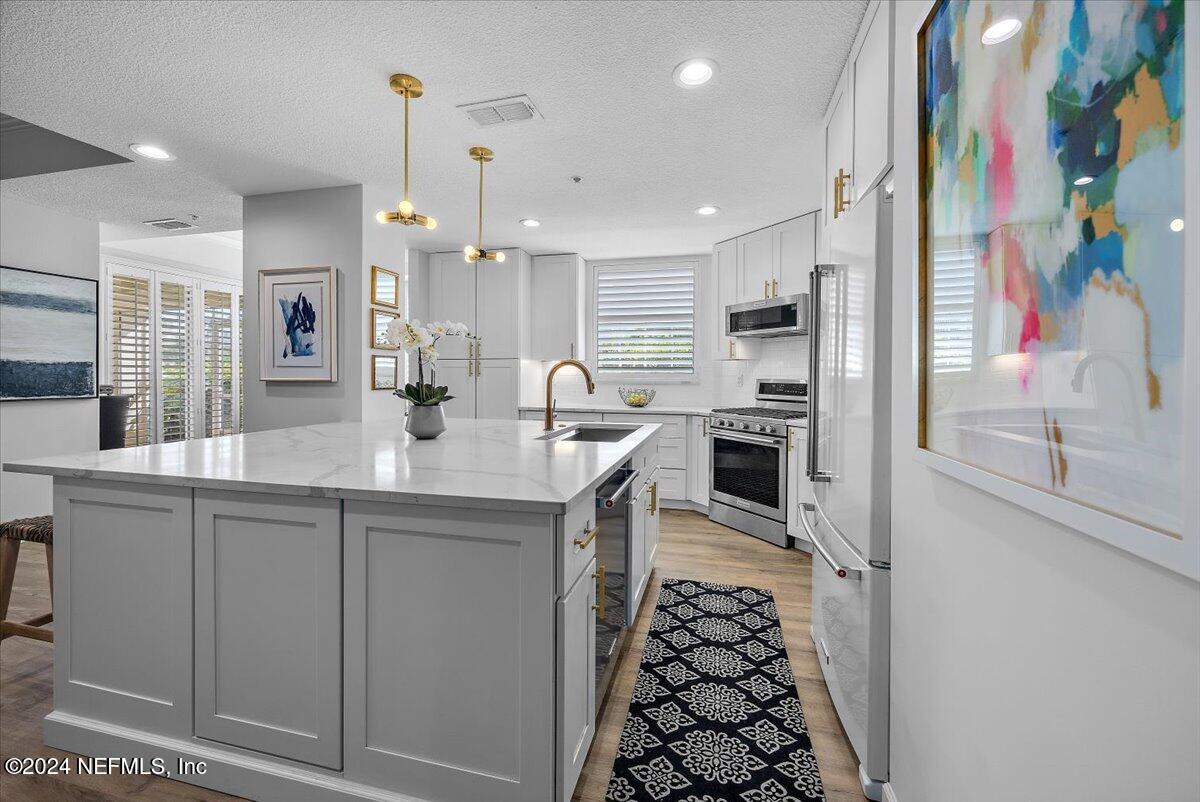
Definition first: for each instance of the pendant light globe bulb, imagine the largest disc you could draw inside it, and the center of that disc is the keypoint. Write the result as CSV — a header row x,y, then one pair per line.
x,y
499,256
430,223
381,216
405,208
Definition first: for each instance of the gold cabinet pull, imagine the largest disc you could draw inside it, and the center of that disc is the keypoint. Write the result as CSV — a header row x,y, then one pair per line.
x,y
470,358
588,536
766,289
654,498
774,288
706,427
599,577
789,441
837,196
731,348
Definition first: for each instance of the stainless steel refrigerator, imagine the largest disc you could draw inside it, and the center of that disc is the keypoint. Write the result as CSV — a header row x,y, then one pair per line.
x,y
849,465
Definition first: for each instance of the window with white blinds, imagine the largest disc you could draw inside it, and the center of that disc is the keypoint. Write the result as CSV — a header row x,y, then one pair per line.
x,y
130,356
175,361
218,363
645,318
174,347
952,322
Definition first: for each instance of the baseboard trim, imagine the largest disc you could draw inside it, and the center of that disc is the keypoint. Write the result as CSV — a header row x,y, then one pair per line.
x,y
228,772
874,790
682,504
889,793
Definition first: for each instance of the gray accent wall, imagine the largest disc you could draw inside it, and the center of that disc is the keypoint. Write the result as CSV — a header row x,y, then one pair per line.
x,y
37,238
330,226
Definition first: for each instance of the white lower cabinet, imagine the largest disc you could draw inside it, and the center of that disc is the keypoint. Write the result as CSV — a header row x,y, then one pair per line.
x,y
651,526
576,630
450,651
268,624
483,388
638,504
799,490
699,454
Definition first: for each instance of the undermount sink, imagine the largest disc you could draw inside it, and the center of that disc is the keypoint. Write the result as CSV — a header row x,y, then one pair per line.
x,y
589,433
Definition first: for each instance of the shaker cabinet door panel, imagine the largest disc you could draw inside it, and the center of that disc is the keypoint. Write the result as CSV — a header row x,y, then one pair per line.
x,y
795,253
497,287
576,678
838,151
268,624
557,298
459,376
756,261
870,71
497,387
450,651
452,297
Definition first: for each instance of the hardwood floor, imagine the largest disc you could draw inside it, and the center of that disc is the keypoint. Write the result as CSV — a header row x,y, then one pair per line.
x,y
691,547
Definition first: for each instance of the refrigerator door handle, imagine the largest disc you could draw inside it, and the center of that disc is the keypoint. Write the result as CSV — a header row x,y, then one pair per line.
x,y
841,571
814,384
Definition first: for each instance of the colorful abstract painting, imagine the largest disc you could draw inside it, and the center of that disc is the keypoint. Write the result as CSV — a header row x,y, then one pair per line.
x,y
1053,265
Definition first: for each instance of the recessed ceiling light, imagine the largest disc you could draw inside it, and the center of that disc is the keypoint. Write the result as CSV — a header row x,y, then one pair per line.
x,y
695,71
529,222
1177,224
1001,30
1083,180
151,152
707,210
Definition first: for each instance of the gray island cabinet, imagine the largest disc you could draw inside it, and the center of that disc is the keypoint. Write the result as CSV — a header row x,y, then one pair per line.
x,y
339,611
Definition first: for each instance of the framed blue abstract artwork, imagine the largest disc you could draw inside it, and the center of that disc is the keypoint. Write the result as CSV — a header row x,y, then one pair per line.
x,y
298,333
49,337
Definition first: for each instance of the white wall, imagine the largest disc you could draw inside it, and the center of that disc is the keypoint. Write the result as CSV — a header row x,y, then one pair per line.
x,y
1029,661
383,245
42,239
197,253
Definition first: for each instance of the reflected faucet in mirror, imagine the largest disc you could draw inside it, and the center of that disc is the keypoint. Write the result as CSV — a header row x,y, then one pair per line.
x,y
1135,419
587,375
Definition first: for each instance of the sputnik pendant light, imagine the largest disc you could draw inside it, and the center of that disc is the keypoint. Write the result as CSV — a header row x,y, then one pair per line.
x,y
407,87
474,253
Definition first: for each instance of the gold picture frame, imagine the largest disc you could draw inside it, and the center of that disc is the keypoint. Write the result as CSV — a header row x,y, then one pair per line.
x,y
377,329
385,287
385,372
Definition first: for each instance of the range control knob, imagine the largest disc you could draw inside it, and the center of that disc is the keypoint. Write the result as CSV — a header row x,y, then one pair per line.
x,y
758,427
743,425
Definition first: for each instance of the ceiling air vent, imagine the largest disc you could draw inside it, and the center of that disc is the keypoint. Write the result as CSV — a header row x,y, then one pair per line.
x,y
505,110
168,224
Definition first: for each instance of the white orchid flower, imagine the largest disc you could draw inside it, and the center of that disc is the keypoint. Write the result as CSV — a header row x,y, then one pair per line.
x,y
429,354
437,328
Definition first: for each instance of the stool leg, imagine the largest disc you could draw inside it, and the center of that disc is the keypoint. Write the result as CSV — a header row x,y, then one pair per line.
x,y
50,570
9,547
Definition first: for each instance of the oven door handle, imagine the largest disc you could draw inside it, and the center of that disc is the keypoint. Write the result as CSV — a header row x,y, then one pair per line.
x,y
748,438
611,501
841,571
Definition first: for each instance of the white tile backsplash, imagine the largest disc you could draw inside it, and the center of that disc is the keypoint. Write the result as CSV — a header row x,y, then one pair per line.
x,y
721,383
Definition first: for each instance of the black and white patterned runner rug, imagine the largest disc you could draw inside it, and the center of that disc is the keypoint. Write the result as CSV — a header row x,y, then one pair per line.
x,y
714,715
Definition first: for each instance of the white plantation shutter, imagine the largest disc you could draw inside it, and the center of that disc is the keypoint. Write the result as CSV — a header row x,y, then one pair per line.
x,y
218,363
130,353
952,322
241,363
176,362
645,318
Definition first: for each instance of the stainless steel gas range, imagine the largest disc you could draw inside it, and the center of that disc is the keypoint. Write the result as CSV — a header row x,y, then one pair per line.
x,y
749,460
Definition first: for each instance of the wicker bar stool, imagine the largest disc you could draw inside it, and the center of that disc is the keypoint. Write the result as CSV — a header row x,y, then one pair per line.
x,y
12,534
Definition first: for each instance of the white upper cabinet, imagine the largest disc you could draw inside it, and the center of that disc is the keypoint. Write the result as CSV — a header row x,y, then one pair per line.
x,y
756,263
557,289
452,297
725,280
490,297
838,152
871,95
858,123
795,249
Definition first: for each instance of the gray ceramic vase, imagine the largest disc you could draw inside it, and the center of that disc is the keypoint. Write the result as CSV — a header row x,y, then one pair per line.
x,y
425,423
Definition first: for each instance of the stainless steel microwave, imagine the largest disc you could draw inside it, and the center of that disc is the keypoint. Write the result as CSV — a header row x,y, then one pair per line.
x,y
786,316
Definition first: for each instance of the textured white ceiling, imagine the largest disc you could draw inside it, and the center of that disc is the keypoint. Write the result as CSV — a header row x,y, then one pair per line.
x,y
257,97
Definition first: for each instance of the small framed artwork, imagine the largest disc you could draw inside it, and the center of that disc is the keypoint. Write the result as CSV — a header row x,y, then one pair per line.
x,y
298,336
49,336
377,332
1055,291
385,287
384,370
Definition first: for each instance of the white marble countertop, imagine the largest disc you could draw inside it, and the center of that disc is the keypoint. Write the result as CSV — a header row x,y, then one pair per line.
x,y
653,409
487,464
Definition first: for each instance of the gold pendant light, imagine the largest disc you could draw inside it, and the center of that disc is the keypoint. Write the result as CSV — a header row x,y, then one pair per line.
x,y
407,87
474,253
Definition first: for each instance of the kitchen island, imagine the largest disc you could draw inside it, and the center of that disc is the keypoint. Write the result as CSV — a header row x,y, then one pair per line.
x,y
340,611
